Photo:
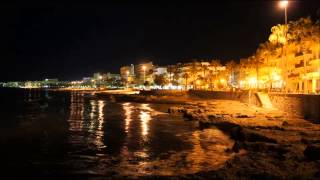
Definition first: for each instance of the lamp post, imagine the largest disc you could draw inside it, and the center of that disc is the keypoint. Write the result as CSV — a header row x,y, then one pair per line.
x,y
284,4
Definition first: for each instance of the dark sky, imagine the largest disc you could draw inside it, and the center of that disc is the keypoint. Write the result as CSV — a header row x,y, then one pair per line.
x,y
72,40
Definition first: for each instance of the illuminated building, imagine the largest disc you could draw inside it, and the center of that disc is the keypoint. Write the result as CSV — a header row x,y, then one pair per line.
x,y
144,73
50,83
159,70
127,74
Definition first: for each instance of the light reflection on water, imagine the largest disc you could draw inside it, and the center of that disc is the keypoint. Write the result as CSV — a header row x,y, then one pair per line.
x,y
126,139
81,120
145,117
99,131
76,113
127,107
133,139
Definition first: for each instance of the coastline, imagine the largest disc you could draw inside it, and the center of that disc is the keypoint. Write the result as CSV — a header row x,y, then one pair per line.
x,y
264,138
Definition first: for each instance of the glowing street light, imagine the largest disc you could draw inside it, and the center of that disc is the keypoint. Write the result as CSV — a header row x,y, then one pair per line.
x,y
284,4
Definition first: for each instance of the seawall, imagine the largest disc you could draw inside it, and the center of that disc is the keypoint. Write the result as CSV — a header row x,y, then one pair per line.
x,y
242,96
301,105
304,105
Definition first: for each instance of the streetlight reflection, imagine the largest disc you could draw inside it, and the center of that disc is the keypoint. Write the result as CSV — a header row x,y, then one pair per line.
x,y
99,132
127,107
145,117
76,112
93,109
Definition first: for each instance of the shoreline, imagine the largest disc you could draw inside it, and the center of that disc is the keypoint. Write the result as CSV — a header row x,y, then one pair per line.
x,y
264,138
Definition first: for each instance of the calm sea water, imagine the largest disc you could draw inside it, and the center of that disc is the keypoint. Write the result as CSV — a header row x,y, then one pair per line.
x,y
53,134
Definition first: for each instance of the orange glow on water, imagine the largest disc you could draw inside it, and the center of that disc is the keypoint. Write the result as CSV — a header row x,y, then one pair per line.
x,y
145,117
127,112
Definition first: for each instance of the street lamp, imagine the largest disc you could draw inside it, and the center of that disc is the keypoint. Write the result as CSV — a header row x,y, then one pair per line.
x,y
284,4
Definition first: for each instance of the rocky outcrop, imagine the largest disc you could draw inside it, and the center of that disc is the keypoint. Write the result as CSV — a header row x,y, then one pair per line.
x,y
264,139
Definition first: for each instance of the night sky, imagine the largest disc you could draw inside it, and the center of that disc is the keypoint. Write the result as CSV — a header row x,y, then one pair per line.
x,y
72,40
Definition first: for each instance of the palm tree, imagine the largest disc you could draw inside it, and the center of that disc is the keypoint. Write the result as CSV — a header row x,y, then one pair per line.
x,y
186,75
230,67
243,68
194,71
170,70
253,65
204,68
215,64
259,60
210,77
176,74
279,34
266,52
